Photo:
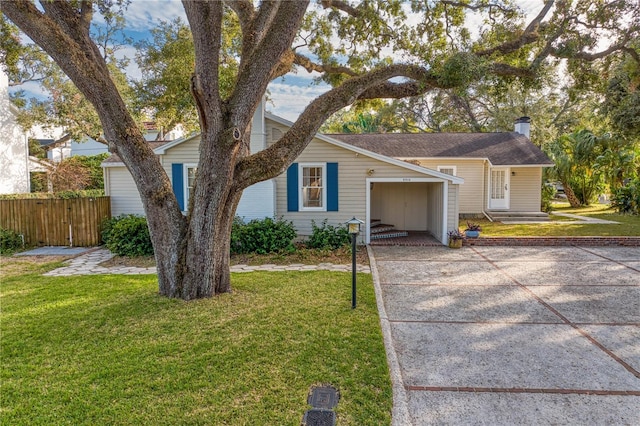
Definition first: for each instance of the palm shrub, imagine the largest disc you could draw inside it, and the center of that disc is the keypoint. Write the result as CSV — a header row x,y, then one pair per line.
x,y
327,236
574,156
127,235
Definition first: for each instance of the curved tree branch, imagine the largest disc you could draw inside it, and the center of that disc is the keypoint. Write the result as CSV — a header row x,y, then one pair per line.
x,y
205,19
257,68
273,160
311,66
590,57
475,7
528,36
341,5
245,11
81,61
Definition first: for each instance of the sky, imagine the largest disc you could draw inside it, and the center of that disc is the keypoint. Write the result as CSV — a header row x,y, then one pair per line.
x,y
288,95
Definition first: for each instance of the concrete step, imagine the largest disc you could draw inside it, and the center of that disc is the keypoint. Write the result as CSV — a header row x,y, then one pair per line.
x,y
381,228
389,234
517,217
522,219
497,214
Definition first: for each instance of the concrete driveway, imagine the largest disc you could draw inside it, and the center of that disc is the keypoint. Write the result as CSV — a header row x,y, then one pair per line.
x,y
511,335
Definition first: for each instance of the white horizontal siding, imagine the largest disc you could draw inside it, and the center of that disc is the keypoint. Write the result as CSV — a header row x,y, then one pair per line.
x,y
473,190
119,185
453,211
258,201
184,153
353,170
526,183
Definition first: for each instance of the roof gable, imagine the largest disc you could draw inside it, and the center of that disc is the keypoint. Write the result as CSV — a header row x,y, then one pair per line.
x,y
372,154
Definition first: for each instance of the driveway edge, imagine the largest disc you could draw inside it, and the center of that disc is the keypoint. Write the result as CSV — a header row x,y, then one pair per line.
x,y
400,411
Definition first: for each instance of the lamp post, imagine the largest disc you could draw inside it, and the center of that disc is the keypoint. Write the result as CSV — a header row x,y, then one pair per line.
x,y
353,228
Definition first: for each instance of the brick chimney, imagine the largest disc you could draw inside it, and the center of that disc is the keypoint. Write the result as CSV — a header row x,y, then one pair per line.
x,y
523,126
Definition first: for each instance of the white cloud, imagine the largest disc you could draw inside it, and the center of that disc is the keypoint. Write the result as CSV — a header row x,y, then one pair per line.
x,y
143,14
32,89
132,70
289,101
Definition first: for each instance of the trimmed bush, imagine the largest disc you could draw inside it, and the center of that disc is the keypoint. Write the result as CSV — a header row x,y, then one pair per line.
x,y
127,235
262,236
10,241
626,199
327,237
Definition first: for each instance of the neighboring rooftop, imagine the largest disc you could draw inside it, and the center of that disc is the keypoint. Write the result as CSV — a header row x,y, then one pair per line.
x,y
113,158
505,148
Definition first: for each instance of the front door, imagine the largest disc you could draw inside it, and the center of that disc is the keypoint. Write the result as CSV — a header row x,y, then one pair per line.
x,y
499,189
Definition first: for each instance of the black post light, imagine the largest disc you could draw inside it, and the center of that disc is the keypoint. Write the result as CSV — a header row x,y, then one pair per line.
x,y
354,229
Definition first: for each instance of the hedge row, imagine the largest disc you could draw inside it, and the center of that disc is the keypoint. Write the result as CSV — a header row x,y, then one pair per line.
x,y
128,235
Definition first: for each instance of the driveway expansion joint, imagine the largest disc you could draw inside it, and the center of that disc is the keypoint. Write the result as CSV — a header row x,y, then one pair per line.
x,y
564,318
558,348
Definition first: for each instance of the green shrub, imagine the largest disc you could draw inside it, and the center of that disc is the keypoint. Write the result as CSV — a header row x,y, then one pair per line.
x,y
327,237
127,235
548,194
626,199
10,241
262,236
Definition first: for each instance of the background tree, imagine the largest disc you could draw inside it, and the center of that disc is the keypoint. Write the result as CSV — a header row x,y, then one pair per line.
x,y
353,47
65,106
575,156
167,62
619,161
374,116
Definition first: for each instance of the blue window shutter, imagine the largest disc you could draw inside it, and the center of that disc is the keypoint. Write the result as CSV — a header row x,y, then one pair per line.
x,y
292,188
178,183
332,187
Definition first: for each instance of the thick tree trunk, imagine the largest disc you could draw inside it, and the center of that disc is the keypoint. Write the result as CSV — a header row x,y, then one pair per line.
x,y
571,196
207,254
199,261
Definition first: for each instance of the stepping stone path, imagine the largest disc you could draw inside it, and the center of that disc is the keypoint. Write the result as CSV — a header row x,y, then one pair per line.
x,y
89,264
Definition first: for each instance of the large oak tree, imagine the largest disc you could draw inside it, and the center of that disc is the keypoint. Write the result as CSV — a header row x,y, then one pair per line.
x,y
365,50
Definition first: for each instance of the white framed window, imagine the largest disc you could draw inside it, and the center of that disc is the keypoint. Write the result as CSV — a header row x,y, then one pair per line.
x,y
312,178
449,170
189,182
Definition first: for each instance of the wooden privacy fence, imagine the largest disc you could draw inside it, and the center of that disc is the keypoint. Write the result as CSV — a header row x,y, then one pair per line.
x,y
56,222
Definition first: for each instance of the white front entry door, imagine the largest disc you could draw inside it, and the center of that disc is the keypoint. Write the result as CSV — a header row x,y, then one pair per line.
x,y
499,189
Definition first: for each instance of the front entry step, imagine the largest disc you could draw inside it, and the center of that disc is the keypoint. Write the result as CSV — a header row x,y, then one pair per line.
x,y
389,234
381,230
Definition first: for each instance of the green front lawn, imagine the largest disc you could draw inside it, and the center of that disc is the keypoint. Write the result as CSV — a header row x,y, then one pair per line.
x,y
109,350
628,225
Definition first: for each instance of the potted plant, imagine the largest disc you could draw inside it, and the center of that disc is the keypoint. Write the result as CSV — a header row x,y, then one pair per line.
x,y
455,238
473,230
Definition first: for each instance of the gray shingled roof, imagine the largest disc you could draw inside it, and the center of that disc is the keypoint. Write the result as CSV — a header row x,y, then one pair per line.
x,y
506,149
113,158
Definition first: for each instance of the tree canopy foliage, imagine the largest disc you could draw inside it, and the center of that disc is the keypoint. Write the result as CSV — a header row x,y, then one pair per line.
x,y
365,50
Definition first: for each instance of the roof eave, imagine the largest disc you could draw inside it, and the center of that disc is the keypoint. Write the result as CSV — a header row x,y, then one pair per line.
x,y
161,150
453,179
